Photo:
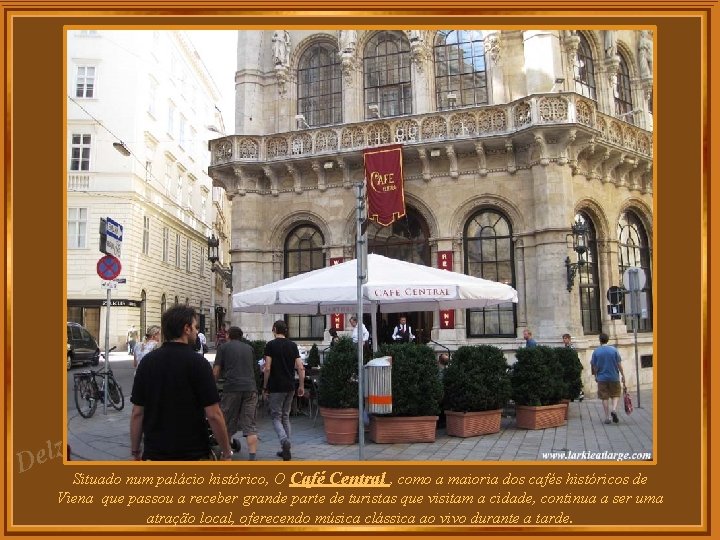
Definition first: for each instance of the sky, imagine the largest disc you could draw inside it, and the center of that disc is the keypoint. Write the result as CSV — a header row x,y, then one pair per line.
x,y
218,51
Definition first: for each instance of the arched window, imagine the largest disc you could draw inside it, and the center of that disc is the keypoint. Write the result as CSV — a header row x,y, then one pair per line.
x,y
177,300
634,250
488,251
304,252
588,281
319,86
584,70
386,66
143,312
163,305
460,68
622,93
407,239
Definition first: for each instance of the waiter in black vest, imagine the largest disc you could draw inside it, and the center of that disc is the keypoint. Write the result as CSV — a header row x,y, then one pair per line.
x,y
403,332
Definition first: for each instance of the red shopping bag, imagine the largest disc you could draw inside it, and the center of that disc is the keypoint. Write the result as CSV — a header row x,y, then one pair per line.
x,y
628,401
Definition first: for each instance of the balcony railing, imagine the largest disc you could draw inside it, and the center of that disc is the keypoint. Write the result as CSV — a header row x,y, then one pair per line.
x,y
539,110
78,182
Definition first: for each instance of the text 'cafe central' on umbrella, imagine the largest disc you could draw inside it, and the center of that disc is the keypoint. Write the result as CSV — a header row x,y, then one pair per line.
x,y
508,139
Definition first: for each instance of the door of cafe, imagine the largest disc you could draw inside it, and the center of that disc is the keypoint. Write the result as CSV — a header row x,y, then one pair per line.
x,y
406,240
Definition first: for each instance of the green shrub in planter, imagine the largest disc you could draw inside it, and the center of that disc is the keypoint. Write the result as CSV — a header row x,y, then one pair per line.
x,y
416,386
476,380
537,377
338,384
313,356
571,371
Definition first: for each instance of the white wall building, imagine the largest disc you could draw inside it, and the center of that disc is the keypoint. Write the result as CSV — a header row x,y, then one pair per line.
x,y
149,91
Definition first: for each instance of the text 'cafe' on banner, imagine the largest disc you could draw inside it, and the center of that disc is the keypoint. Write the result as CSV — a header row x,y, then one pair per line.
x,y
384,184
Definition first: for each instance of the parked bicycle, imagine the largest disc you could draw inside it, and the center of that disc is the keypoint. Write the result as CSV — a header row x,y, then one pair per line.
x,y
88,391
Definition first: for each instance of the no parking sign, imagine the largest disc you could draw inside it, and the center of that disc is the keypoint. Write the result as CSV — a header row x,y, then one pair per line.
x,y
109,267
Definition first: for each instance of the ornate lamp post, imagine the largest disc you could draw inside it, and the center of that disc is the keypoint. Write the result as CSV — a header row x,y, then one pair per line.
x,y
579,246
213,245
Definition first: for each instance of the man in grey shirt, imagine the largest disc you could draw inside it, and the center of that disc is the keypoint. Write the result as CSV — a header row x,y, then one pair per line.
x,y
235,363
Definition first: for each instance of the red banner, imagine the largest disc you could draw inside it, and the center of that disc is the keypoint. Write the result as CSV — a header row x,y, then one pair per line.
x,y
447,319
445,260
447,316
384,184
337,320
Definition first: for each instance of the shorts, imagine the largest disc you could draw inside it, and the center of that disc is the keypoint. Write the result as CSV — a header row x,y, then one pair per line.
x,y
609,389
239,411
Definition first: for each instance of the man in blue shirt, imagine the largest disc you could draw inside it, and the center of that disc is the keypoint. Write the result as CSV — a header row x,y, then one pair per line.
x,y
606,366
529,341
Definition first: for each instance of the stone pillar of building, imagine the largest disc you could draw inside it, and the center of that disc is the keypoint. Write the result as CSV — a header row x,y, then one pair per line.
x,y
249,83
495,46
421,70
252,261
549,313
513,66
542,53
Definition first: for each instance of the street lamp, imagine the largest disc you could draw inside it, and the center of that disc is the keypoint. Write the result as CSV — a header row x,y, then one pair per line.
x,y
213,250
579,246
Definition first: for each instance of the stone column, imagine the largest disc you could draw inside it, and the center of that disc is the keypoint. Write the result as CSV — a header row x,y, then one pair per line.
x,y
249,95
551,304
497,87
252,262
542,51
421,60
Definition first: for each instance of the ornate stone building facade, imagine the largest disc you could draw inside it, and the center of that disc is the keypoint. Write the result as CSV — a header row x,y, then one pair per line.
x,y
509,138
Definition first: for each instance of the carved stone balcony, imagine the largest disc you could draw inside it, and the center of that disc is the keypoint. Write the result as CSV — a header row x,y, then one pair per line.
x,y
562,127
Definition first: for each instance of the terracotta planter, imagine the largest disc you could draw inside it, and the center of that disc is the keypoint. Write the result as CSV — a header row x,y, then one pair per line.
x,y
341,425
472,424
545,416
566,402
402,429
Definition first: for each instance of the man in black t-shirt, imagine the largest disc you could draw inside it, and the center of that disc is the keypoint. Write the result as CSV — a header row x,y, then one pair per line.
x,y
282,359
173,393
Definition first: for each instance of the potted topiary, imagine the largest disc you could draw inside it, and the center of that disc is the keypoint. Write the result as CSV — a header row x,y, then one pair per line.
x,y
571,374
416,393
537,387
477,387
338,393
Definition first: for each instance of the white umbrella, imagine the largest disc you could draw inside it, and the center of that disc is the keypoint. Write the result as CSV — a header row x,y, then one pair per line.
x,y
396,286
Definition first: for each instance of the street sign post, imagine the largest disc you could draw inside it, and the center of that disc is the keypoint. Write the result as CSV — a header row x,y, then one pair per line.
x,y
113,242
634,281
616,297
108,268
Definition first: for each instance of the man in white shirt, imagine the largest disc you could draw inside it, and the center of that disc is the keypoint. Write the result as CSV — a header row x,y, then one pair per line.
x,y
365,333
403,332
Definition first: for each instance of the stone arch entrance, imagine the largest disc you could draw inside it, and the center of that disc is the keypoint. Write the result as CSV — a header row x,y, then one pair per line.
x,y
408,239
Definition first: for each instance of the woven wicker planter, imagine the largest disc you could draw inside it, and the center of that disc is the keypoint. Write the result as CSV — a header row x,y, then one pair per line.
x,y
341,425
472,424
545,416
402,429
566,402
